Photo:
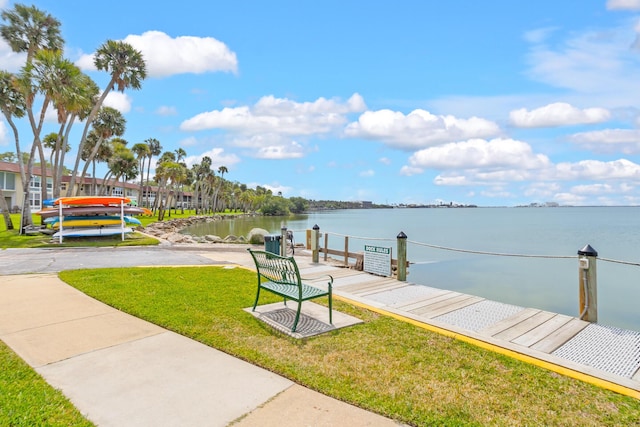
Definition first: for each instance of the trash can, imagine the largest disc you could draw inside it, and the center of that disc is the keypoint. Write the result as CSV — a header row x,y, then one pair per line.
x,y
272,243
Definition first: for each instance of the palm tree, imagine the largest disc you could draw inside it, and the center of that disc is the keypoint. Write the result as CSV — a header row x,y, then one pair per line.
x,y
57,79
162,177
154,150
122,164
142,151
78,105
199,172
221,170
127,68
30,30
108,123
168,173
180,155
12,104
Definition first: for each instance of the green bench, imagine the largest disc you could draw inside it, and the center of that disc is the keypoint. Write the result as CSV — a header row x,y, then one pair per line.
x,y
281,276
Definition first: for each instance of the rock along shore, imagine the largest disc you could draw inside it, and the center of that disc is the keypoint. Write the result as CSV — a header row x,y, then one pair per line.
x,y
171,230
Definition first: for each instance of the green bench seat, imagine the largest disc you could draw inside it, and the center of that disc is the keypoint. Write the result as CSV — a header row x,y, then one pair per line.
x,y
280,275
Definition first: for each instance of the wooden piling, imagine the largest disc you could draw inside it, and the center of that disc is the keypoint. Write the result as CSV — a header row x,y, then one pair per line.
x,y
588,284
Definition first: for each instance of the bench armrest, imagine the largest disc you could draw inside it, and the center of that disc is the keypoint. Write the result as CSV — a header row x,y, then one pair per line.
x,y
317,278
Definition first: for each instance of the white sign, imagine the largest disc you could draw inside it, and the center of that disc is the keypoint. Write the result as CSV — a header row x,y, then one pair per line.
x,y
377,260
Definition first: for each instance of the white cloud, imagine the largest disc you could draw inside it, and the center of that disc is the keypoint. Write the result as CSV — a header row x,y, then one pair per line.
x,y
291,151
596,170
280,116
539,34
594,189
275,188
165,110
592,62
367,173
118,100
4,138
10,60
623,4
218,158
478,153
626,141
542,190
557,114
418,129
188,142
166,56
384,160
566,198
410,170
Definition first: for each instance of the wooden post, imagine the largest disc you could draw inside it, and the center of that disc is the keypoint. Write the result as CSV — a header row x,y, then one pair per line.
x,y
283,241
402,256
588,284
326,245
346,251
315,244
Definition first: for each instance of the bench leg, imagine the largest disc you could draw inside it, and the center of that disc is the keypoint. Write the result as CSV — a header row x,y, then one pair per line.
x,y
295,322
255,304
330,309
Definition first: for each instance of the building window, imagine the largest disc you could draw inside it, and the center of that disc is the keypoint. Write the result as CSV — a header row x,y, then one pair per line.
x,y
34,200
35,182
7,181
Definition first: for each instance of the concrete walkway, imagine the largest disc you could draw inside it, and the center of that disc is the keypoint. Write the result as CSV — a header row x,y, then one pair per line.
x,y
119,370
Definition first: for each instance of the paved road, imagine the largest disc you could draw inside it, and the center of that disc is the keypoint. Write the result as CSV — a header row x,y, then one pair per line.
x,y
52,260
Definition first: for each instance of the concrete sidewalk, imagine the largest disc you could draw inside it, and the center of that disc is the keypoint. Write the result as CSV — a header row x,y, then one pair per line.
x,y
119,370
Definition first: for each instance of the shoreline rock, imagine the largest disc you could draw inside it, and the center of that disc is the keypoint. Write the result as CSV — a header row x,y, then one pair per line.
x,y
170,230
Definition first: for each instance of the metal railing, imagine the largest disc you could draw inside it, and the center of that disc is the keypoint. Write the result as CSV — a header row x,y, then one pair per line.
x,y
586,257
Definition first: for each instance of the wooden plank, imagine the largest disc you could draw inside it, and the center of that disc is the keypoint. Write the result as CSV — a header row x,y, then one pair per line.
x,y
509,322
385,288
454,306
524,326
340,281
344,272
419,302
431,300
320,269
561,336
542,331
353,288
428,309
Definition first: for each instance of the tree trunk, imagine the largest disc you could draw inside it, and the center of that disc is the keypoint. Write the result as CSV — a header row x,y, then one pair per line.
x,y
5,211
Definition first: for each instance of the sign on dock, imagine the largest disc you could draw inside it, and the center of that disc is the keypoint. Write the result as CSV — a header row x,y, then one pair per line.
x,y
377,260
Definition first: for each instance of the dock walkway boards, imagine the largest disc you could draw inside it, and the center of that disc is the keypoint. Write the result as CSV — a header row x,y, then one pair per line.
x,y
608,353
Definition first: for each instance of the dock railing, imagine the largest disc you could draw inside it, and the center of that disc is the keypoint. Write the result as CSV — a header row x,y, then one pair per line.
x,y
319,243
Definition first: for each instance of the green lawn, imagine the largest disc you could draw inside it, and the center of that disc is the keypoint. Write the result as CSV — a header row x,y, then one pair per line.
x,y
27,400
384,365
11,238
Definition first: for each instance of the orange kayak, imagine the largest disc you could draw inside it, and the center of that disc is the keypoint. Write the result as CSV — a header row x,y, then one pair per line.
x,y
92,200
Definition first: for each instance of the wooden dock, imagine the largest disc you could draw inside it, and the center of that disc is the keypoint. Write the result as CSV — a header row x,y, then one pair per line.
x,y
603,355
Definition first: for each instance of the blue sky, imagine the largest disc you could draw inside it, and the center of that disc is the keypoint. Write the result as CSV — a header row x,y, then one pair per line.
x,y
494,103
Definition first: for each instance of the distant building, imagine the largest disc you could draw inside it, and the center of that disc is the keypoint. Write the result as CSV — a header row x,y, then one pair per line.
x,y
366,204
13,188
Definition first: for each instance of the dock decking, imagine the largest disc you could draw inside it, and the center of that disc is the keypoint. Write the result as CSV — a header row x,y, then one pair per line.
x,y
607,353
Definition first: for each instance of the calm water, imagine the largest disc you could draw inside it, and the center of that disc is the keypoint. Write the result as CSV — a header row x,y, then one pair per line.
x,y
548,284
